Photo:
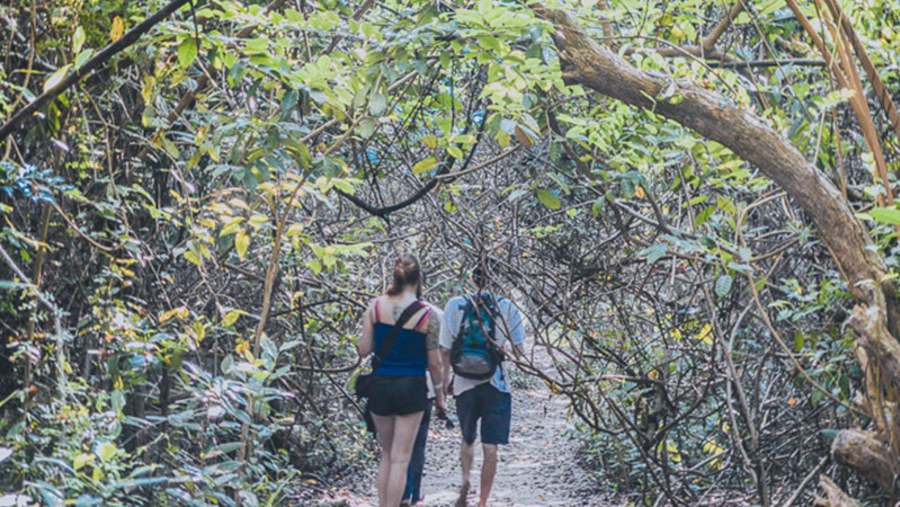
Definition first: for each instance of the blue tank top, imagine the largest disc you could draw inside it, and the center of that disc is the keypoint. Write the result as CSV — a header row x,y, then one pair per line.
x,y
407,355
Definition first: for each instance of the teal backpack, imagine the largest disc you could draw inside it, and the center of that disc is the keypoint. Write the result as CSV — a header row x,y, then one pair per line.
x,y
475,354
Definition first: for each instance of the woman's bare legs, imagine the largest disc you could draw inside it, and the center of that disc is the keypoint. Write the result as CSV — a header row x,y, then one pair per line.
x,y
384,429
397,435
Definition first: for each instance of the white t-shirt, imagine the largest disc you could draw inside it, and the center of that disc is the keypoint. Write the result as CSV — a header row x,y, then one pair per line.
x,y
510,325
436,313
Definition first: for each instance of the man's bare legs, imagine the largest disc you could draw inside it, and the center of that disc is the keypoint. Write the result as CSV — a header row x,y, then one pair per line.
x,y
466,459
400,432
488,472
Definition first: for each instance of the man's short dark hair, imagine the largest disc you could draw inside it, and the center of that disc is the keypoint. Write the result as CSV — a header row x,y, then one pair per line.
x,y
484,272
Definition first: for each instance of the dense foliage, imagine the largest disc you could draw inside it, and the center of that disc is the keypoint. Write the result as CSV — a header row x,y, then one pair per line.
x,y
191,232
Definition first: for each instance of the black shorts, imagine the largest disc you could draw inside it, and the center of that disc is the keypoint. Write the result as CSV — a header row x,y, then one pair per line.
x,y
492,407
398,395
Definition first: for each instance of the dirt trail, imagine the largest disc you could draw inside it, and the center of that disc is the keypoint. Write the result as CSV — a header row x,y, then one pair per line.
x,y
539,467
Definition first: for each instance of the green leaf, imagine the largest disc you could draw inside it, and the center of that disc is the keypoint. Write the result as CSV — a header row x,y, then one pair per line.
x,y
231,317
886,215
377,104
726,205
187,51
241,243
597,207
704,215
343,185
455,152
192,257
56,77
78,40
424,165
83,57
107,451
5,452
799,340
135,483
723,285
429,141
224,448
257,220
288,102
548,199
654,252
829,434
508,125
257,46
366,128
81,460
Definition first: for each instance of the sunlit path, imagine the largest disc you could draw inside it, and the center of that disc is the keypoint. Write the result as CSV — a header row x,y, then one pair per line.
x,y
538,468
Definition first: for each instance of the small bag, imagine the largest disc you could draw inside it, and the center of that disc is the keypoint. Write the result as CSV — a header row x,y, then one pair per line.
x,y
365,381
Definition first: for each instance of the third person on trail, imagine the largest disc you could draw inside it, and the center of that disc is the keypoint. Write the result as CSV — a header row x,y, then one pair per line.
x,y
475,331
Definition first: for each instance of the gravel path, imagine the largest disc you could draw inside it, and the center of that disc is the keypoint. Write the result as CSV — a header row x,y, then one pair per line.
x,y
539,467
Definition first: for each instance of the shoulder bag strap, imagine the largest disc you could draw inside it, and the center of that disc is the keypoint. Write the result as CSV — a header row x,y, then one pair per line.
x,y
392,335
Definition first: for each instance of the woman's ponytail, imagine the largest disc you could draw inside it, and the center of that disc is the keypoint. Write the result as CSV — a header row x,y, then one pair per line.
x,y
406,273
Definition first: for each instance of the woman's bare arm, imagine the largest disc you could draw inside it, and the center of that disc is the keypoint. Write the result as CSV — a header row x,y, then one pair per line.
x,y
367,335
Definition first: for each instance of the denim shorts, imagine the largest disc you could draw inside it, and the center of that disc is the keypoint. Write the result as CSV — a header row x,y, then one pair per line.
x,y
492,407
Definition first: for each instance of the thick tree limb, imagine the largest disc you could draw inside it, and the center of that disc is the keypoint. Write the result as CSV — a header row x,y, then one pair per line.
x,y
587,63
91,65
881,348
865,453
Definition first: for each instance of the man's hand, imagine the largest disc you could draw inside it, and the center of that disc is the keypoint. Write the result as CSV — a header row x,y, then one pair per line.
x,y
440,404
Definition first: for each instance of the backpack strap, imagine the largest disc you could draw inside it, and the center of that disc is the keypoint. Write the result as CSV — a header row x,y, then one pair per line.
x,y
493,308
392,335
377,310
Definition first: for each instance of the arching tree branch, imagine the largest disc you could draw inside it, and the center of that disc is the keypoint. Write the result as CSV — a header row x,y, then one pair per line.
x,y
93,64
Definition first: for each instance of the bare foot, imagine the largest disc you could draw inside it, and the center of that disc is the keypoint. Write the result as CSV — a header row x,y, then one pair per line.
x,y
463,500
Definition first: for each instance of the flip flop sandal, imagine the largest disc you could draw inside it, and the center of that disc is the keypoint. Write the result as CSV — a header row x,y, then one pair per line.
x,y
463,499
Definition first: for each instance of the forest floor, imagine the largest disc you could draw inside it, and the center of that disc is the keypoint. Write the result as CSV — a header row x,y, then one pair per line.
x,y
539,467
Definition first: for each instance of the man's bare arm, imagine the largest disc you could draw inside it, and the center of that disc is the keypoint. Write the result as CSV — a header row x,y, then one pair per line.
x,y
445,359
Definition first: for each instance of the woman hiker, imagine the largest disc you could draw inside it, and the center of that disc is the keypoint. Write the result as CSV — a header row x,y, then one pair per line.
x,y
398,392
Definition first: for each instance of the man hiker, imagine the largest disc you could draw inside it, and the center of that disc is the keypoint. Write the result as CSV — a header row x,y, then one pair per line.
x,y
475,330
